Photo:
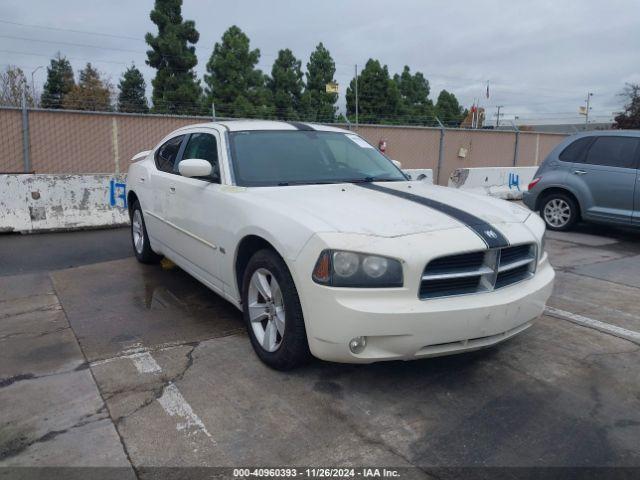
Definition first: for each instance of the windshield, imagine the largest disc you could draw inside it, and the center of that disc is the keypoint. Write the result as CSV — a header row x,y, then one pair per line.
x,y
265,158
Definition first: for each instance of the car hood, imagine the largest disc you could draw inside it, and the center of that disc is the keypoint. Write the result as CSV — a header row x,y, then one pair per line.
x,y
354,208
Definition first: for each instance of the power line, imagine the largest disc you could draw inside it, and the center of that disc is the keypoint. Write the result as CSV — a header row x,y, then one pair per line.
x,y
84,32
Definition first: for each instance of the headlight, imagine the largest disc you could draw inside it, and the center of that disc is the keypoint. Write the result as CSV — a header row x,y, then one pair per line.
x,y
351,269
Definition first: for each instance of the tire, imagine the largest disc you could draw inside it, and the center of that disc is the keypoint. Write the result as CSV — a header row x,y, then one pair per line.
x,y
272,312
140,238
559,211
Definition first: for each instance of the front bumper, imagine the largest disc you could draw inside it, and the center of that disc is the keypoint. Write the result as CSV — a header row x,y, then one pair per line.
x,y
400,326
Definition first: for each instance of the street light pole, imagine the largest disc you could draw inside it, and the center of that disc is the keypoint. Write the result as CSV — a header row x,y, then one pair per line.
x,y
356,95
498,116
33,86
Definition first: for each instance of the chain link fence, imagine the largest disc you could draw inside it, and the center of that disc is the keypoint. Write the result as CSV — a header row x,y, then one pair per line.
x,y
64,141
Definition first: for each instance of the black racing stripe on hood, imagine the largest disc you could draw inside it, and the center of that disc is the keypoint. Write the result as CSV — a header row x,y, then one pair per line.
x,y
302,126
490,236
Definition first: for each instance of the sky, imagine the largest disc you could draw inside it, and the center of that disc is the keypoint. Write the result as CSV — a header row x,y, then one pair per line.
x,y
539,58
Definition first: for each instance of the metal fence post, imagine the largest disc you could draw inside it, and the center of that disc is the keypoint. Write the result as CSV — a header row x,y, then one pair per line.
x,y
26,152
440,150
114,142
516,147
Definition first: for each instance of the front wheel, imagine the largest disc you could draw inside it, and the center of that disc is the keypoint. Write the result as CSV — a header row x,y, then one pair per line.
x,y
272,312
559,211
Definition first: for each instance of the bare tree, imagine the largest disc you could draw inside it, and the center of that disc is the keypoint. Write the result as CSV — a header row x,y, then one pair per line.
x,y
13,84
630,117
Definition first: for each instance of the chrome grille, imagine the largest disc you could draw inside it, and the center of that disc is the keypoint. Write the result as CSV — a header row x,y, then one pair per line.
x,y
479,271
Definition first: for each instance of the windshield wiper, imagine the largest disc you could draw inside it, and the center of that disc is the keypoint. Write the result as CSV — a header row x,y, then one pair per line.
x,y
302,182
374,179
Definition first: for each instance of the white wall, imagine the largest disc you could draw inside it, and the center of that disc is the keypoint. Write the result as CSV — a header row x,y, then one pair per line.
x,y
30,203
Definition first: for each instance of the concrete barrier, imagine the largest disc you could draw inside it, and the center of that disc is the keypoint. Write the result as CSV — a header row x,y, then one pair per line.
x,y
425,174
503,182
31,203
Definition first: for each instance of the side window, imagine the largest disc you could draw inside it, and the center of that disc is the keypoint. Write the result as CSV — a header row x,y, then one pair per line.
x,y
205,147
575,151
613,152
167,153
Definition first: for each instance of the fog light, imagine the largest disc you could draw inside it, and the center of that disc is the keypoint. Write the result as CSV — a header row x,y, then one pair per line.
x,y
357,344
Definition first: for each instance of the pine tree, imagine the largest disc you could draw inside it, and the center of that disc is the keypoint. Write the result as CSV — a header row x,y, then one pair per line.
x,y
175,86
378,95
233,83
318,105
132,96
448,109
286,86
415,105
59,82
91,93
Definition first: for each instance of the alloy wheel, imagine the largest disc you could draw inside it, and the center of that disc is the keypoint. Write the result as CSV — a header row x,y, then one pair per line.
x,y
266,309
557,212
137,231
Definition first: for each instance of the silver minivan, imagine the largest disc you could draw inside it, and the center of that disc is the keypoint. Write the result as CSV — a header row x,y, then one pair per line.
x,y
591,176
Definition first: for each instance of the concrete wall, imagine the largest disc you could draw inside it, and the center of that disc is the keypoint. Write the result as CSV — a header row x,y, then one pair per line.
x,y
502,182
88,142
30,203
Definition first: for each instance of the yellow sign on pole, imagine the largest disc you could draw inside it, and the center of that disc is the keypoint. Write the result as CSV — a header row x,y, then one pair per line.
x,y
331,87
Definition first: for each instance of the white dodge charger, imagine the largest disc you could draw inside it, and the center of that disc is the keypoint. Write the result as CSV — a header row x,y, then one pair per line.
x,y
329,250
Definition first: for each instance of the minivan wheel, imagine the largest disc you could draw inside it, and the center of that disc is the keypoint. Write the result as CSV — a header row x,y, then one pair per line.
x,y
140,238
559,211
272,312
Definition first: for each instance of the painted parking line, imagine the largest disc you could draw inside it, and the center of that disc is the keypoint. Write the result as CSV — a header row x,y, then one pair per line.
x,y
172,401
595,324
145,363
137,351
175,405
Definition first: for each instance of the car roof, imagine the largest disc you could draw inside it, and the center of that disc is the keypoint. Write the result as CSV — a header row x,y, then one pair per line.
x,y
248,125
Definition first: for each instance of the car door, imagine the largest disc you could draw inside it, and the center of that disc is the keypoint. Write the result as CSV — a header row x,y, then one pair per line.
x,y
636,204
192,209
161,178
606,178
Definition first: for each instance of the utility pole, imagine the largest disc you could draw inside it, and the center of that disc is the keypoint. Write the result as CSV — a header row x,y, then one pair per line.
x,y
586,115
498,116
213,110
356,95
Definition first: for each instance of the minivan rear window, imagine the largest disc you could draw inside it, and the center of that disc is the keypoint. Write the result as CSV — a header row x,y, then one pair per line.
x,y
575,151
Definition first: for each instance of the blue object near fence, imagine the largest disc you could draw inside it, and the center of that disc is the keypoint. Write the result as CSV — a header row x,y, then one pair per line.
x,y
117,191
514,181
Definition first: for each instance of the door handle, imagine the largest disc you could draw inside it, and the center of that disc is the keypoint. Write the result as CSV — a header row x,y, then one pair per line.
x,y
172,189
141,179
580,172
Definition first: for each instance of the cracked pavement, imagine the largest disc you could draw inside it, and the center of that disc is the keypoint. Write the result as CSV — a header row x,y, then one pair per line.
x,y
113,363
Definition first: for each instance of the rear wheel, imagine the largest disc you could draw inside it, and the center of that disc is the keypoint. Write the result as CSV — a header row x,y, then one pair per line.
x,y
272,312
559,211
140,238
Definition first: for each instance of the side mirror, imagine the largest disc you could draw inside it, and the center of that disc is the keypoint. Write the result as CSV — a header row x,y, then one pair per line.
x,y
397,163
194,167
